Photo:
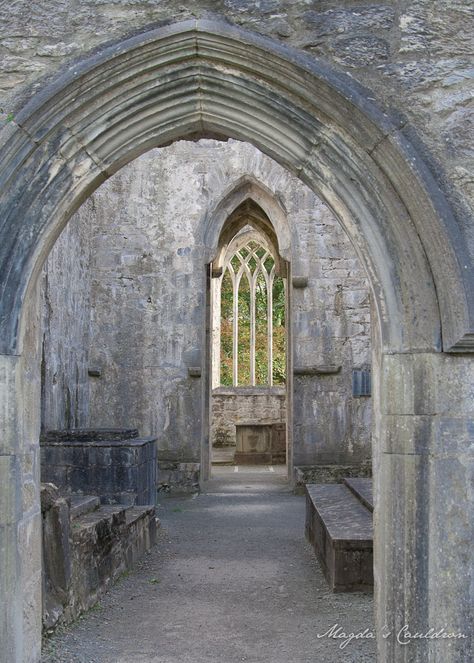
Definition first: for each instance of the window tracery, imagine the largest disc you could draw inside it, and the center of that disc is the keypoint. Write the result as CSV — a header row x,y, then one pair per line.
x,y
252,315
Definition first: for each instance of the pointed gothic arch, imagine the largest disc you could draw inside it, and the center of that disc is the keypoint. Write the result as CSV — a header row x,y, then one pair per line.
x,y
209,79
169,83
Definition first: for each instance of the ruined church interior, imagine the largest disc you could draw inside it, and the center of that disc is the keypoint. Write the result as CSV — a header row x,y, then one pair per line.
x,y
236,332
171,317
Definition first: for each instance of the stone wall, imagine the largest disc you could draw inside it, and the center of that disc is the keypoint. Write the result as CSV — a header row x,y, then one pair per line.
x,y
148,300
66,296
147,280
331,329
414,55
238,405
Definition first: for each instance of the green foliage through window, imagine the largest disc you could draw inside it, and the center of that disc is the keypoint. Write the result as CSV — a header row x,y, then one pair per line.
x,y
226,329
253,254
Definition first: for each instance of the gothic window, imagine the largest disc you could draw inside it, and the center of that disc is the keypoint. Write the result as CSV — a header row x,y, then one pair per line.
x,y
252,316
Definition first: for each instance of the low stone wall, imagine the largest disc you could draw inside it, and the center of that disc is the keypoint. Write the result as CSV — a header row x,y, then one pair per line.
x,y
177,477
86,552
232,406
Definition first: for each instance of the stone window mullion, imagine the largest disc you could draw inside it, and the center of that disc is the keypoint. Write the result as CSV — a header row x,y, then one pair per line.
x,y
269,281
253,282
216,330
235,328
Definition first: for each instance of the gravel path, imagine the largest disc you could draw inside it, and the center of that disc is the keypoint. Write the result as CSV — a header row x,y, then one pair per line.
x,y
231,579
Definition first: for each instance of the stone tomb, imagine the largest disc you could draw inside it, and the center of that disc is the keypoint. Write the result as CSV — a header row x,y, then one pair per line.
x,y
260,444
339,527
114,464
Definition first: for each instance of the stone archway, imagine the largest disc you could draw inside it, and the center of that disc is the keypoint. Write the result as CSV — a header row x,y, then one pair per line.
x,y
247,189
205,78
248,202
227,228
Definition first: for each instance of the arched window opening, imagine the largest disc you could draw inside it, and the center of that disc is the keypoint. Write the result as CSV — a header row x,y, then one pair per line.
x,y
227,302
243,332
279,331
252,300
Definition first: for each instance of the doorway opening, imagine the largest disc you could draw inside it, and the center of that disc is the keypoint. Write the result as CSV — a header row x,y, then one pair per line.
x,y
249,345
177,82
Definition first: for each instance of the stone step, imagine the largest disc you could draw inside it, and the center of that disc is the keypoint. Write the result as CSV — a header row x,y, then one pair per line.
x,y
106,543
362,489
141,525
87,546
340,530
134,513
114,515
82,504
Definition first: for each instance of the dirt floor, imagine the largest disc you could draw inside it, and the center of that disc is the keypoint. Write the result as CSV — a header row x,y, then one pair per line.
x,y
231,579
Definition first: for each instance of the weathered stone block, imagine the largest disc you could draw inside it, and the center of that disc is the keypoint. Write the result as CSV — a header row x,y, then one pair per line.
x,y
178,477
451,481
112,468
57,569
9,421
84,557
427,384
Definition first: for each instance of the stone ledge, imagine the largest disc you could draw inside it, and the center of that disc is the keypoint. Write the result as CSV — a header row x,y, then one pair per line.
x,y
362,489
322,369
81,504
264,390
88,434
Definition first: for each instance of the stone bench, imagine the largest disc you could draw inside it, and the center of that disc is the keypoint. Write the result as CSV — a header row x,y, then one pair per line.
x,y
339,527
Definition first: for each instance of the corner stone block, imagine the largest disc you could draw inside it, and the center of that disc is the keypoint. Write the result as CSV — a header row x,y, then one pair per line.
x,y
9,406
29,536
427,383
10,595
455,386
400,434
408,383
401,528
32,610
30,497
454,437
451,534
